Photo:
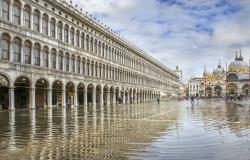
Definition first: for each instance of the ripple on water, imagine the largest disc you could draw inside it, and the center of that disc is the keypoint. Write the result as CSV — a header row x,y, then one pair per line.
x,y
169,130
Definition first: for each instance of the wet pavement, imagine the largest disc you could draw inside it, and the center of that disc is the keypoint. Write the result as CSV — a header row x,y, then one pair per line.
x,y
209,130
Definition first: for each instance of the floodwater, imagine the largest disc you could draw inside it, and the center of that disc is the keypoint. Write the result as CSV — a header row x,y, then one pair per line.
x,y
209,130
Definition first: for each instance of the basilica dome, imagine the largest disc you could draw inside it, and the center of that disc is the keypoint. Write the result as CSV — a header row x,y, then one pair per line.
x,y
219,70
238,65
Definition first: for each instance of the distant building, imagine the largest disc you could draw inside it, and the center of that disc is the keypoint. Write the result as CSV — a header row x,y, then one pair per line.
x,y
195,86
233,81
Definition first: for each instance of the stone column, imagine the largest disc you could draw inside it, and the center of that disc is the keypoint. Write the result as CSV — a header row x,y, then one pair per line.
x,y
11,98
85,97
31,56
21,14
11,52
76,99
62,32
49,25
108,98
63,98
49,59
22,56
114,96
49,98
11,10
101,97
56,30
32,98
123,98
31,17
41,23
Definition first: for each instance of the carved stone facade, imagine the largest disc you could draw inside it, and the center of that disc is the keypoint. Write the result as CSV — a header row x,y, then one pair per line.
x,y
54,55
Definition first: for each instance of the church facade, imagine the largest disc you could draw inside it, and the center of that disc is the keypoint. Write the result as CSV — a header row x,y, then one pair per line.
x,y
233,80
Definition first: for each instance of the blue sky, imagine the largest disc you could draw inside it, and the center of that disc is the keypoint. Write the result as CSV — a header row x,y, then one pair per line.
x,y
188,33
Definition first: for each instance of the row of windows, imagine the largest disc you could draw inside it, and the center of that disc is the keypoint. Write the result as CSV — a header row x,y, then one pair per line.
x,y
50,27
42,56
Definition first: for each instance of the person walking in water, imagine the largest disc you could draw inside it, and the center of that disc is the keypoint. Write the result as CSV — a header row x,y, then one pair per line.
x,y
192,100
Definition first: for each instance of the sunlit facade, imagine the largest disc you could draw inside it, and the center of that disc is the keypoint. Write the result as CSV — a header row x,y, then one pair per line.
x,y
234,80
54,55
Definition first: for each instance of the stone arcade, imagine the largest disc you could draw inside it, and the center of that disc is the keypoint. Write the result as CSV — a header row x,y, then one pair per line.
x,y
54,55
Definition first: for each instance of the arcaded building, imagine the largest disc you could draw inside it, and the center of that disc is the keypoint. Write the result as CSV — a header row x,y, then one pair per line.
x,y
53,54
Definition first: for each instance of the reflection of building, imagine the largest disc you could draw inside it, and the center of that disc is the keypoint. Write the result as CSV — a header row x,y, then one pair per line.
x,y
233,81
195,86
52,54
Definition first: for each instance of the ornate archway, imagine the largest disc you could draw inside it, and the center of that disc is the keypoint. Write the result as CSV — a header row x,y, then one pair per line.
x,y
4,92
232,89
246,89
22,92
218,91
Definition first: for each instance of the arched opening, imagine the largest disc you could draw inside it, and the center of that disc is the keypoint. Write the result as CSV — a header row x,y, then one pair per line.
x,y
57,89
80,94
5,47
22,92
209,92
105,95
232,89
218,91
130,96
41,95
112,95
232,77
134,96
4,92
98,94
117,98
246,89
70,94
90,90
126,96
122,96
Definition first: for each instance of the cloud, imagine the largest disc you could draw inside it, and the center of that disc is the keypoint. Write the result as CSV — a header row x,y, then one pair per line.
x,y
188,33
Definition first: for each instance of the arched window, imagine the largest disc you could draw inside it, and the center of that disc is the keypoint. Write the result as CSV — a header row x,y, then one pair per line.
x,y
99,48
5,47
36,54
77,38
73,63
60,60
45,57
59,31
67,62
92,68
100,70
88,68
96,69
16,12
17,50
87,43
78,66
26,17
36,20
53,28
83,41
45,24
53,58
72,36
232,77
83,66
27,52
103,50
66,33
91,45
95,48
5,9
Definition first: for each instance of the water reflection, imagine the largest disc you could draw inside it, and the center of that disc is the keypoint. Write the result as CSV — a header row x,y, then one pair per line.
x,y
170,130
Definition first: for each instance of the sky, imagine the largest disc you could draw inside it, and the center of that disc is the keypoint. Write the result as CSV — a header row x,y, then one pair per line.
x,y
188,33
